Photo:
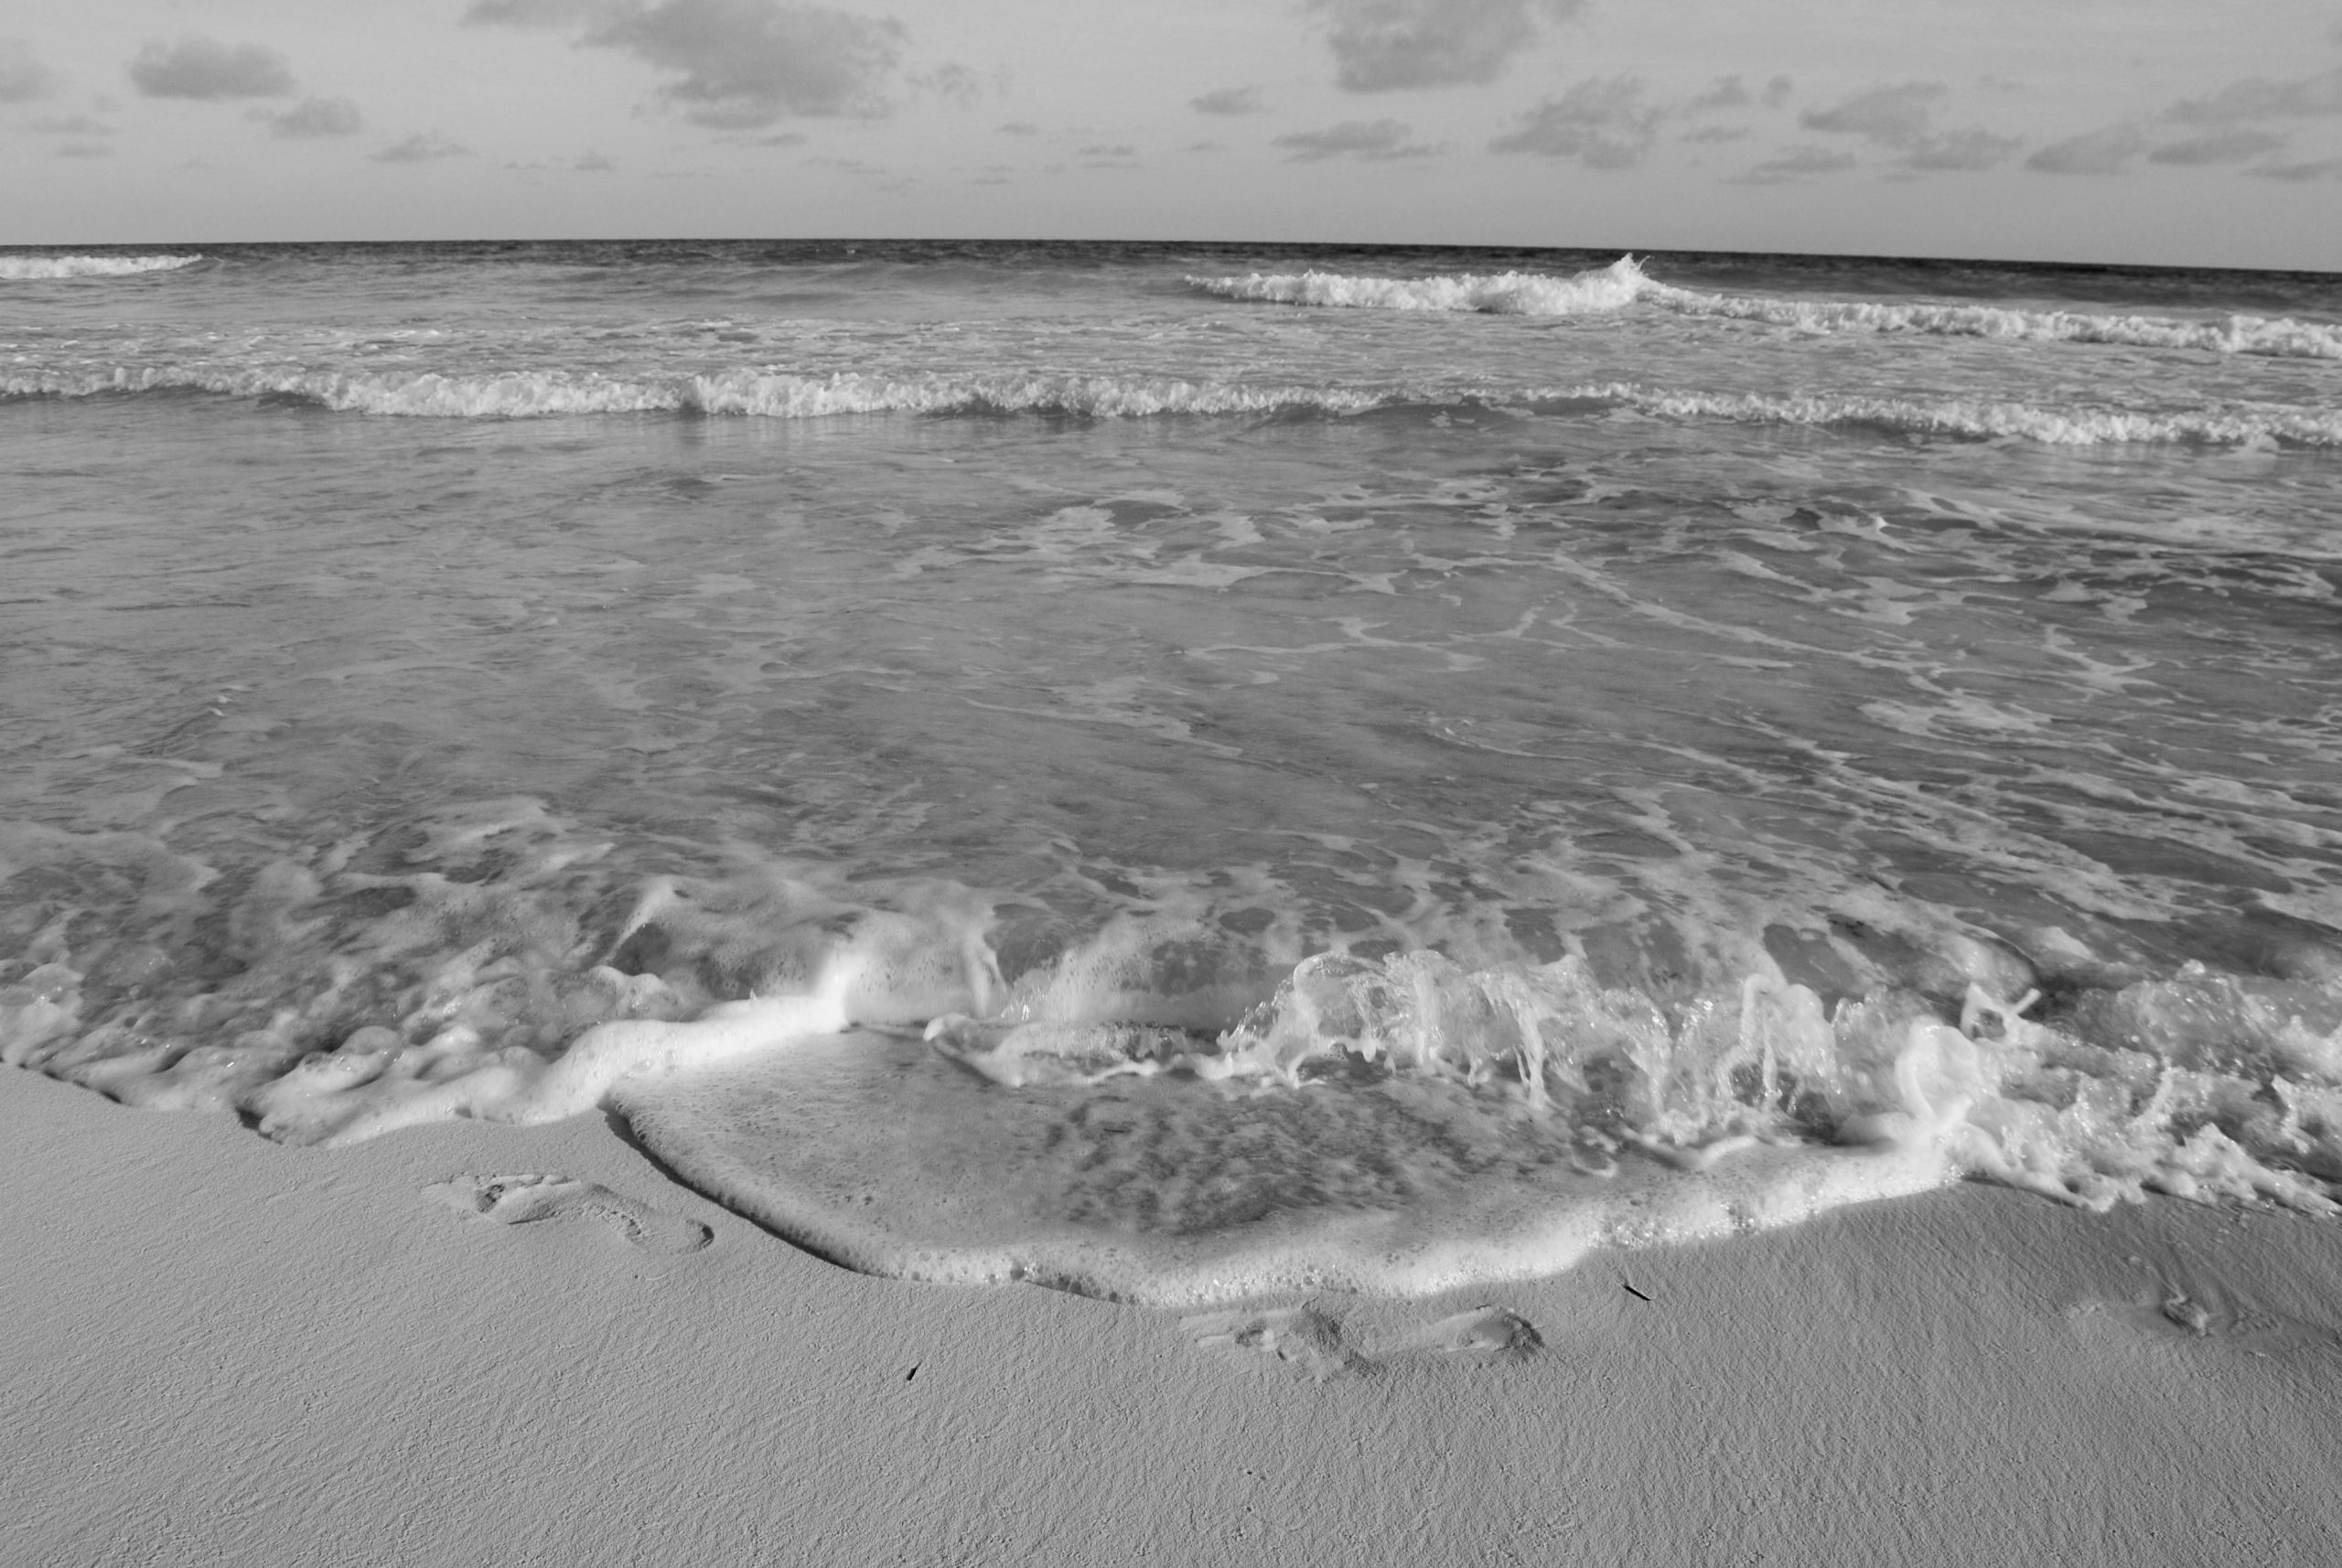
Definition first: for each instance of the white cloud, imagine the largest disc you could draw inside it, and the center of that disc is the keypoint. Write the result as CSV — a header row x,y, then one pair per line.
x,y
737,64
313,117
2095,152
1724,92
22,77
1228,100
1902,116
1378,140
1602,121
1895,116
1974,148
2258,98
424,147
1380,45
954,81
2231,146
206,69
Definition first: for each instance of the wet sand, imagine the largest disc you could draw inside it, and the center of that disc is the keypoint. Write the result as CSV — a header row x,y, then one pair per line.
x,y
222,1350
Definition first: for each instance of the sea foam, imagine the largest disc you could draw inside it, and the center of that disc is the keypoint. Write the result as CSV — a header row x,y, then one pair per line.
x,y
1594,292
1154,1113
1613,288
23,268
769,395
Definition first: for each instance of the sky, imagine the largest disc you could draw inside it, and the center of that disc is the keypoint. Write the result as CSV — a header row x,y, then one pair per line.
x,y
2154,132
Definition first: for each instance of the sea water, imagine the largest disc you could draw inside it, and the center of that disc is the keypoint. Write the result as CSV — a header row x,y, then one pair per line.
x,y
1182,771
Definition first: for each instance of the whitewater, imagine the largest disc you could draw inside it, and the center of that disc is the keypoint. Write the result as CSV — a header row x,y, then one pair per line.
x,y
1183,771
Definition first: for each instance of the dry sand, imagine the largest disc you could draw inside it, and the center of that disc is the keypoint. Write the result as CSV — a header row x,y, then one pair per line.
x,y
220,1350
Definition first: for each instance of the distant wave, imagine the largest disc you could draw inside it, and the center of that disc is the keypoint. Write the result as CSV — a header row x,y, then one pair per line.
x,y
542,394
1599,291
2277,338
1983,420
1613,288
536,393
21,269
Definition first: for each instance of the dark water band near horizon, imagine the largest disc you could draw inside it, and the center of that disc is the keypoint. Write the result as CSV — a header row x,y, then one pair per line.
x,y
1179,771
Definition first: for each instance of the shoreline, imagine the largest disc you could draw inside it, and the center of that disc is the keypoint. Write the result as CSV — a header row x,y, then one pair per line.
x,y
223,1349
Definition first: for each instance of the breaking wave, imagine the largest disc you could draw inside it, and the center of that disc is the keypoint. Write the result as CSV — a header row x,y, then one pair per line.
x,y
524,394
24,269
1140,1115
1599,291
1623,283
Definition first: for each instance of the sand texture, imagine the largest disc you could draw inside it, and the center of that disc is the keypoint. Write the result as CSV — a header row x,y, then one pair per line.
x,y
465,1343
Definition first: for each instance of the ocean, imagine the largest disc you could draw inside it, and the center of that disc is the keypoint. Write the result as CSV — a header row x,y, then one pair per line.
x,y
1183,772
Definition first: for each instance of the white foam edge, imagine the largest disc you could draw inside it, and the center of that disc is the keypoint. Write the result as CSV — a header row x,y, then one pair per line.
x,y
1400,1254
336,1099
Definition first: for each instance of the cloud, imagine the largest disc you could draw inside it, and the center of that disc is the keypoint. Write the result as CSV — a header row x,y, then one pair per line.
x,y
70,125
1724,92
1894,116
1798,163
1970,149
422,147
2258,98
1228,100
1717,133
1732,92
85,149
1378,140
2095,152
1602,121
22,77
956,82
206,69
593,163
2234,147
738,64
2323,169
1018,128
313,117
1380,45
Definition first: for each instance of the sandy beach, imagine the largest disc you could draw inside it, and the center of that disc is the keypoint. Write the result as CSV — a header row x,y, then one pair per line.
x,y
222,1350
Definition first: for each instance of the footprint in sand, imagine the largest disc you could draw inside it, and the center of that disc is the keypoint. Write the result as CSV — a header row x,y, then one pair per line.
x,y
1314,1343
2179,1307
1301,1336
1486,1333
525,1199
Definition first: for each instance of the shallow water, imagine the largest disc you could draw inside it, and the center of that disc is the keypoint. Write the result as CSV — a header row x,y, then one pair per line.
x,y
1675,737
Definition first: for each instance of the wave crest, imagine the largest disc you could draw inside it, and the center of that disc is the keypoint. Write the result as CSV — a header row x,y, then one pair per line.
x,y
1610,289
24,269
758,394
1599,291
